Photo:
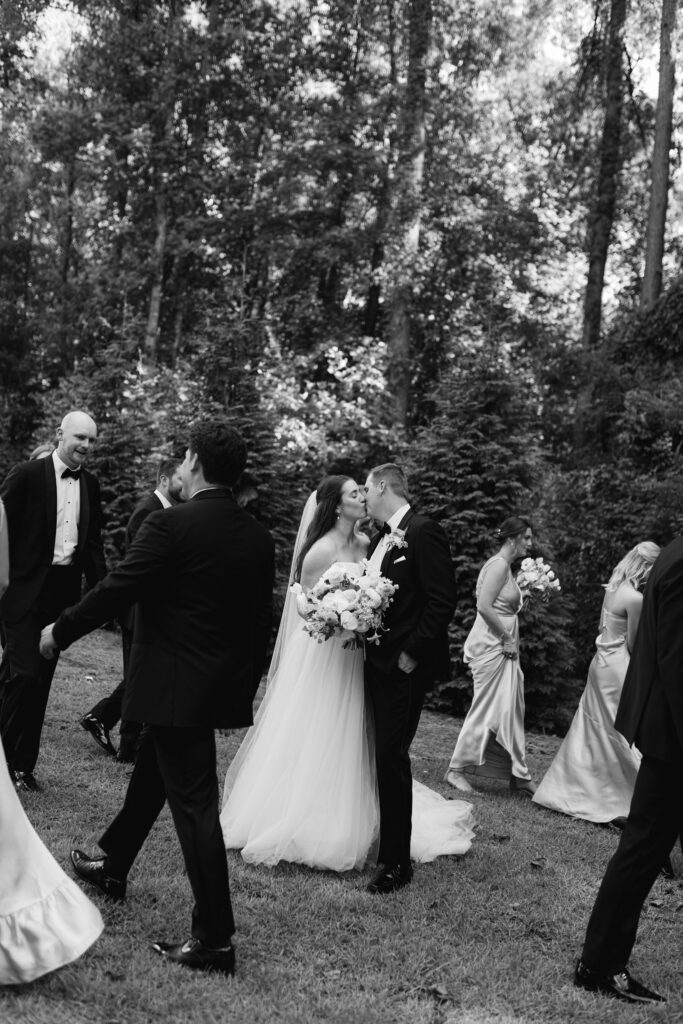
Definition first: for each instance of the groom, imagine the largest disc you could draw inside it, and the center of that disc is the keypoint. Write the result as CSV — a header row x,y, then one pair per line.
x,y
202,576
412,654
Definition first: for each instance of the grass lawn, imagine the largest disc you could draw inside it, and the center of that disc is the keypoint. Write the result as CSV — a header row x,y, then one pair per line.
x,y
489,937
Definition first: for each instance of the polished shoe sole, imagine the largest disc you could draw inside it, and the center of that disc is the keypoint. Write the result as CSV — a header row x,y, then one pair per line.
x,y
165,950
96,878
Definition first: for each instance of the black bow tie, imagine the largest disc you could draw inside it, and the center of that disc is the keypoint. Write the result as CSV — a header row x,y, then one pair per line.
x,y
75,473
386,529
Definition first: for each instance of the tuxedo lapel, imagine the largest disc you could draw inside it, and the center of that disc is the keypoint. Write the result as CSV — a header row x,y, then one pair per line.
x,y
395,552
50,504
84,511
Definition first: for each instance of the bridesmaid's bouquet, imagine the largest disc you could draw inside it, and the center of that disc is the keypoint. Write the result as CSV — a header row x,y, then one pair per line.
x,y
344,605
537,580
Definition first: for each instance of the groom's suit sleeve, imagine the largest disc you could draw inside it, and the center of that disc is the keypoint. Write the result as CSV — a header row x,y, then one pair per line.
x,y
122,587
433,570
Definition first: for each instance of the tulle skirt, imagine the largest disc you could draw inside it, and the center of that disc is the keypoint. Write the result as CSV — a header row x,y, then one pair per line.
x,y
303,788
45,919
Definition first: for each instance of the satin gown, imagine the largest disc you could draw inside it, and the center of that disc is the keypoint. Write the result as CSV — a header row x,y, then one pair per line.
x,y
491,741
45,919
303,788
593,773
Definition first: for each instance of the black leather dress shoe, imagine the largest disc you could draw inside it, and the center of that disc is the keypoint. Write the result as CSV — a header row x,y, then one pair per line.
x,y
25,782
389,878
92,870
99,732
197,956
619,985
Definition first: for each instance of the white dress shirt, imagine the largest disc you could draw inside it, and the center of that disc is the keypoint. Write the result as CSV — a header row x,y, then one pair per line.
x,y
68,512
375,560
165,503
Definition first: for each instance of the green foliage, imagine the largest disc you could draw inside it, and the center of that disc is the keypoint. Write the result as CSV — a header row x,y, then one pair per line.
x,y
478,462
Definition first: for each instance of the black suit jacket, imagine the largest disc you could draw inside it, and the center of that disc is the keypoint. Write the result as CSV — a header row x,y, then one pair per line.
x,y
650,711
30,496
201,574
417,620
146,504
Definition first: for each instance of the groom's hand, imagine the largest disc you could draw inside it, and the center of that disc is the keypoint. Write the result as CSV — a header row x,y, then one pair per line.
x,y
406,663
48,647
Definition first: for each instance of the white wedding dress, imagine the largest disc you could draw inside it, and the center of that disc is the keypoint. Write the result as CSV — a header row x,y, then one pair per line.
x,y
302,787
45,919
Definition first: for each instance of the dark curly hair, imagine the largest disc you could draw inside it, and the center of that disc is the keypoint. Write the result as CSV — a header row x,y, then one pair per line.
x,y
328,496
220,449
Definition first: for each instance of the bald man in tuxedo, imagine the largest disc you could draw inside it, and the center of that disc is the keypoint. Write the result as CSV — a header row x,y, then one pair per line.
x,y
54,519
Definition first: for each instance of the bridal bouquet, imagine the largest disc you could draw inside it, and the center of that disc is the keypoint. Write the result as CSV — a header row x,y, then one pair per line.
x,y
537,580
341,604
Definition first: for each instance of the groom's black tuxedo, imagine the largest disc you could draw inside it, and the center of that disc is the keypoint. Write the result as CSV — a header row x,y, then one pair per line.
x,y
417,624
651,716
202,576
37,593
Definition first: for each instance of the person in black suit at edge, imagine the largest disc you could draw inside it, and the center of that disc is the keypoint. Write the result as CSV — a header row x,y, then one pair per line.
x,y
412,551
201,574
650,715
54,523
102,718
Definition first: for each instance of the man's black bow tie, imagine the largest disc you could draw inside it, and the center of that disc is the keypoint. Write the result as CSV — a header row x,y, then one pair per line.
x,y
386,529
75,473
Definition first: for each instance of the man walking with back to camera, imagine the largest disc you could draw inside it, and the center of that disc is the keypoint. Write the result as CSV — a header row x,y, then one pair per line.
x,y
202,576
102,718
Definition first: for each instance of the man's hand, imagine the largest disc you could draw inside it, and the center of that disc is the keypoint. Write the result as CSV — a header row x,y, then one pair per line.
x,y
48,647
406,663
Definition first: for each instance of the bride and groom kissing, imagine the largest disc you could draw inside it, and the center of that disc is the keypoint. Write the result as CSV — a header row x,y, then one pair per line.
x,y
201,575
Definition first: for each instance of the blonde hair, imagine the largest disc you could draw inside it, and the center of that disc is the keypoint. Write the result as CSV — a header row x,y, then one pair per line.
x,y
635,567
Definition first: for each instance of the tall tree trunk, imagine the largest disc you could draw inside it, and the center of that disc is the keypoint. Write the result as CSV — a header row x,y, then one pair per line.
x,y
600,227
656,219
409,206
156,290
384,197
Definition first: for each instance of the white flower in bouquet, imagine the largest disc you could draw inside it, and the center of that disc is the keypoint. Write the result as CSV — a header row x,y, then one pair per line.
x,y
537,580
340,604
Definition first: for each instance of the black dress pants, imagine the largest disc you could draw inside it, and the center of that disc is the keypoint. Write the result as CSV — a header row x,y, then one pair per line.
x,y
396,700
178,765
654,822
109,710
27,676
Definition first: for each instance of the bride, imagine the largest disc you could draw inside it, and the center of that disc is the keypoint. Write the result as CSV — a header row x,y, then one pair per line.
x,y
302,786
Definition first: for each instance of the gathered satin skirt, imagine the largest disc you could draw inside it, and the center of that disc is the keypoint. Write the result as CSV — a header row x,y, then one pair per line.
x,y
594,772
491,741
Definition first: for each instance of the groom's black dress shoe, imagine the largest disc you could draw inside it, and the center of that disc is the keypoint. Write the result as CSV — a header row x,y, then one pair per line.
x,y
25,781
92,870
619,985
193,954
389,878
99,732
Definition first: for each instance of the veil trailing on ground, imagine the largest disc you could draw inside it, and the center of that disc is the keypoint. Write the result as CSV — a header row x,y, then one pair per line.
x,y
290,617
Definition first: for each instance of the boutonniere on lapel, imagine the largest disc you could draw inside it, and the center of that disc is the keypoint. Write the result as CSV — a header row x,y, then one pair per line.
x,y
396,539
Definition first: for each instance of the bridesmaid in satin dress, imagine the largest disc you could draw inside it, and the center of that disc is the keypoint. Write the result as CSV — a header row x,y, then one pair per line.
x,y
491,741
594,771
45,919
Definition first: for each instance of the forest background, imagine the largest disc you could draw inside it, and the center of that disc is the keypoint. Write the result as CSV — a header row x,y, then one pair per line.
x,y
442,233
